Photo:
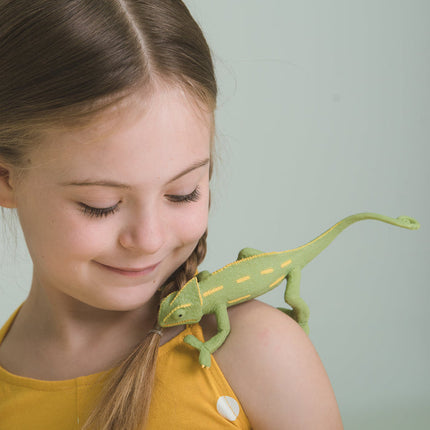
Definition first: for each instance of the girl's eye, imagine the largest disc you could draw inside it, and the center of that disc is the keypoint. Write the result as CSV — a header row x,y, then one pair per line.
x,y
98,212
192,197
104,212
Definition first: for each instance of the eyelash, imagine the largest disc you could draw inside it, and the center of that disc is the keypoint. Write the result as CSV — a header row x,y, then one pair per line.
x,y
192,197
98,212
103,212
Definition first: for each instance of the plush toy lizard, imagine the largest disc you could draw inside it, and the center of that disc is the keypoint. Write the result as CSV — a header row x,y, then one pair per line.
x,y
251,275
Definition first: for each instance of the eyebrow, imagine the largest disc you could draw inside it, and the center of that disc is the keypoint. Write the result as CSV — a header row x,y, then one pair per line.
x,y
114,184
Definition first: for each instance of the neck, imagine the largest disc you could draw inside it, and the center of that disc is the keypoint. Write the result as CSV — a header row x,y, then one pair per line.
x,y
55,319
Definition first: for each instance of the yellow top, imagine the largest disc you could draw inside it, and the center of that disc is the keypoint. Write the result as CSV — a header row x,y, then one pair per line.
x,y
185,395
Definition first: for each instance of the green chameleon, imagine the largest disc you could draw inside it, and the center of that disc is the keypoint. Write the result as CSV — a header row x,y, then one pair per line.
x,y
251,275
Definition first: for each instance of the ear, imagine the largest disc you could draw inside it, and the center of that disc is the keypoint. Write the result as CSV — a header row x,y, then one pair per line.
x,y
7,194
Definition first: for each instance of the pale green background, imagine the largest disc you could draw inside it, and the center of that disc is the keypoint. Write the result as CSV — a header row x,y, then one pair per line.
x,y
324,111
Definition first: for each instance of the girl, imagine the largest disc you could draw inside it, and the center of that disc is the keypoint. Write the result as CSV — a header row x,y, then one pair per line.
x,y
106,152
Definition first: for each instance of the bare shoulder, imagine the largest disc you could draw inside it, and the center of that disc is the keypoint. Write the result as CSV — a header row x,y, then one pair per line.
x,y
275,370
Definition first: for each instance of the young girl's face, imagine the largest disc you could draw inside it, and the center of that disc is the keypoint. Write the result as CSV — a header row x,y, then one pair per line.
x,y
108,217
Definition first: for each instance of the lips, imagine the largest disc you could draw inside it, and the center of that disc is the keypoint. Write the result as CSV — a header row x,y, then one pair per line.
x,y
131,271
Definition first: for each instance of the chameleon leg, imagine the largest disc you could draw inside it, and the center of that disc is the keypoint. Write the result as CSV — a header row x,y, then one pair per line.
x,y
209,347
248,252
201,276
300,311
205,355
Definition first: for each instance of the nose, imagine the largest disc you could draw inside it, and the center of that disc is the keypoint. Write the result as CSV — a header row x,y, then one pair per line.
x,y
143,234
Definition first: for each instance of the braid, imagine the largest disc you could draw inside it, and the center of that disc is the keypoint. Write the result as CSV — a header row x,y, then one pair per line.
x,y
127,394
188,269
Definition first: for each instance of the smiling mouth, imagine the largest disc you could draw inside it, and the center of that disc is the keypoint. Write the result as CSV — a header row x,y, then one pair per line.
x,y
131,271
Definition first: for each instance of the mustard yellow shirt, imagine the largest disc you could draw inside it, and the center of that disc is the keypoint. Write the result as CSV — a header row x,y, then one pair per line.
x,y
185,395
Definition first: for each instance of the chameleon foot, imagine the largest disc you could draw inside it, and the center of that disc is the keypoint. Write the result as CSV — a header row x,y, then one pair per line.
x,y
205,355
304,326
290,312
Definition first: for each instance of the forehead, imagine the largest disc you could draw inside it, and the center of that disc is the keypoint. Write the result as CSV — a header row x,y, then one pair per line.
x,y
155,134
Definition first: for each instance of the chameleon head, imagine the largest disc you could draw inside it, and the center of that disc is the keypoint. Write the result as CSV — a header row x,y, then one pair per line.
x,y
181,307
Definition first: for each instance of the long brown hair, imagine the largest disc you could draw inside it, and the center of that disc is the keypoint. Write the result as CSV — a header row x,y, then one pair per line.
x,y
63,63
125,401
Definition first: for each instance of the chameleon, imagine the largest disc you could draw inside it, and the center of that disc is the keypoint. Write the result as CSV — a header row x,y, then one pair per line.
x,y
251,275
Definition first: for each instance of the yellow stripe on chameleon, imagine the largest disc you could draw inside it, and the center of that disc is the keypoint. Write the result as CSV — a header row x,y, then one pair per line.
x,y
277,281
214,290
286,263
239,299
266,272
240,280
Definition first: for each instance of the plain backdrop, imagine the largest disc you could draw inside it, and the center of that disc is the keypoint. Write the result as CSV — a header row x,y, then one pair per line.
x,y
324,111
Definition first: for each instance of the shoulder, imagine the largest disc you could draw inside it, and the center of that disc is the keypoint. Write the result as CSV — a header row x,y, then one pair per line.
x,y
274,370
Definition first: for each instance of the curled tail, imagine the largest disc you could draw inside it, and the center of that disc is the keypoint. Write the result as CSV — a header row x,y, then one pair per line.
x,y
312,249
402,221
305,253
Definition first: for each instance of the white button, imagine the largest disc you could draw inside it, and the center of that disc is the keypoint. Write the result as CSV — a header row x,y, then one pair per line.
x,y
228,407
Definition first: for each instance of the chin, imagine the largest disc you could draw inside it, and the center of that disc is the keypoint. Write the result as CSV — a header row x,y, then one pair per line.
x,y
127,299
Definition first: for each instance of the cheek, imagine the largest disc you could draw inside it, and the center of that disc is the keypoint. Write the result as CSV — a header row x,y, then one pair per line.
x,y
191,225
61,233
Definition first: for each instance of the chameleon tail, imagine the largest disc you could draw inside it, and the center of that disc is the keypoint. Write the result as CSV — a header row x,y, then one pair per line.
x,y
401,221
304,254
313,248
